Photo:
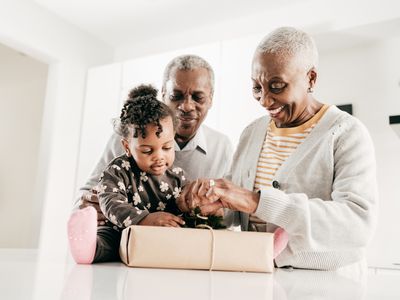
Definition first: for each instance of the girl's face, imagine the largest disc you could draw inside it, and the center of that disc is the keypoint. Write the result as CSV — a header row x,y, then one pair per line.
x,y
153,154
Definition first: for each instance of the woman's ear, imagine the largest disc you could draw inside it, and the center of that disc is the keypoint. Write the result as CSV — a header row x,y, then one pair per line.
x,y
312,78
125,145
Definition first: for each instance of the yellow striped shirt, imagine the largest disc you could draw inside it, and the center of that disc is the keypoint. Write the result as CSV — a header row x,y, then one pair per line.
x,y
278,145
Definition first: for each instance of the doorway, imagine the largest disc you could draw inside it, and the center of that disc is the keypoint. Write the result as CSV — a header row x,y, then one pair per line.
x,y
23,82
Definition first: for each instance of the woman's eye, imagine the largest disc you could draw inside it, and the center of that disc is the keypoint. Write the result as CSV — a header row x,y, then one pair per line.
x,y
277,87
256,89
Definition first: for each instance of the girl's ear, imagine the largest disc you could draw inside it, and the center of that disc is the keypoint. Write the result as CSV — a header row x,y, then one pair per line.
x,y
125,145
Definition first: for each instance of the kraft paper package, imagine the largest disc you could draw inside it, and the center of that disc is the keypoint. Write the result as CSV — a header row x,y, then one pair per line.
x,y
204,249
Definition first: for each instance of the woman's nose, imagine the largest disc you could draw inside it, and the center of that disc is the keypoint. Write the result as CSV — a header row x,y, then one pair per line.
x,y
266,100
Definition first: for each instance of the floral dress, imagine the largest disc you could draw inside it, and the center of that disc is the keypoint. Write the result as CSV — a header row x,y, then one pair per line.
x,y
127,194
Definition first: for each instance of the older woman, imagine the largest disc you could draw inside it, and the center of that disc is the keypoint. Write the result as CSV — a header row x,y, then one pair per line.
x,y
306,166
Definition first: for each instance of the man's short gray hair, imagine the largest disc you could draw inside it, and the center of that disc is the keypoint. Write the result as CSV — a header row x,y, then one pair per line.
x,y
188,62
291,42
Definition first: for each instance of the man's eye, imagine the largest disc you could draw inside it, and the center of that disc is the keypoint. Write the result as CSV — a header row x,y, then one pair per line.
x,y
199,98
175,97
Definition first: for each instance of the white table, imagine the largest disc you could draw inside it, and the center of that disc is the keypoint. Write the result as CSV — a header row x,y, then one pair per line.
x,y
23,276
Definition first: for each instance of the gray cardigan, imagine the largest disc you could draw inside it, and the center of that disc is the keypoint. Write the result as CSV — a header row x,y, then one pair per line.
x,y
326,195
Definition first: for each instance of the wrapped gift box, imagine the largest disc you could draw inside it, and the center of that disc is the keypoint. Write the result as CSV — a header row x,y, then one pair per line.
x,y
186,248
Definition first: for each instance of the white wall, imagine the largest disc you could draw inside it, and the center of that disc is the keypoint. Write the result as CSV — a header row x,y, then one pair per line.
x,y
315,16
22,92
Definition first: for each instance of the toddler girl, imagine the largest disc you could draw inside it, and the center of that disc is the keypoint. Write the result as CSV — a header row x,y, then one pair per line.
x,y
139,187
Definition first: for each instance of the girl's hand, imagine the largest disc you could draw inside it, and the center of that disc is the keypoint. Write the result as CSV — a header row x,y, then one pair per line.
x,y
162,219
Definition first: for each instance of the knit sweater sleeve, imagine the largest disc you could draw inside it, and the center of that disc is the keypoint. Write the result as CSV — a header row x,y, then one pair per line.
x,y
323,233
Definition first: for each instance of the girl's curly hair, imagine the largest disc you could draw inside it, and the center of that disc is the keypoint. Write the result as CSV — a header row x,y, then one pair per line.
x,y
140,109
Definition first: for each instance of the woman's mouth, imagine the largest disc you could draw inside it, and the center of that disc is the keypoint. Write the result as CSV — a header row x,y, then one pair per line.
x,y
274,112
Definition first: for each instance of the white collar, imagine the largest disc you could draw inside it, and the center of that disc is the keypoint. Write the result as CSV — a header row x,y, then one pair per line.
x,y
199,140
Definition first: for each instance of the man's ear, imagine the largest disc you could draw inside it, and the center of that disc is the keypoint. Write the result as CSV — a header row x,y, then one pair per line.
x,y
312,77
125,145
163,92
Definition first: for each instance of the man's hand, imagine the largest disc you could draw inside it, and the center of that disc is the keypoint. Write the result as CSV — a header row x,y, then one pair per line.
x,y
91,199
162,219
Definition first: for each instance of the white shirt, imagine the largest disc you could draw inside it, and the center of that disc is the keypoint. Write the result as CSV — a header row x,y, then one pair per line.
x,y
208,154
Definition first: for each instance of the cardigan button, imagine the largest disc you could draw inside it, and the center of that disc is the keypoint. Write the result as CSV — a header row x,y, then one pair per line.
x,y
275,184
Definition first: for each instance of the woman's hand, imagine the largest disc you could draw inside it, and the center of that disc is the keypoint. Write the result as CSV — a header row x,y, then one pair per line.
x,y
191,197
162,219
212,195
223,193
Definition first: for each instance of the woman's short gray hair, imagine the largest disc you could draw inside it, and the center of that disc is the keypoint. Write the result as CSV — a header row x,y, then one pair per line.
x,y
188,62
291,42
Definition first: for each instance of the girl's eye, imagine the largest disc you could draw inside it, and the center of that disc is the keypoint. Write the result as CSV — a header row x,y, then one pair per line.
x,y
147,152
167,148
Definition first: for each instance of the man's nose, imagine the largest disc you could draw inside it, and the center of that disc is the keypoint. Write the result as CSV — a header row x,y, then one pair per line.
x,y
187,104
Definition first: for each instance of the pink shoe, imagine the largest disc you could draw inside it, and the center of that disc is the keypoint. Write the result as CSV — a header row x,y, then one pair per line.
x,y
281,239
82,234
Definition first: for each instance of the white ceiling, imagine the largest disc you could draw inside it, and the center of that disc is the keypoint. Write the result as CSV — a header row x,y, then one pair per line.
x,y
119,22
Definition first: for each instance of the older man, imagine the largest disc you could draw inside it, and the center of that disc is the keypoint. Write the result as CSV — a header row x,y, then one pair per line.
x,y
188,87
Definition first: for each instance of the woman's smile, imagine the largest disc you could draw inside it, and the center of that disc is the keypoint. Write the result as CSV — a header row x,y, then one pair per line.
x,y
275,112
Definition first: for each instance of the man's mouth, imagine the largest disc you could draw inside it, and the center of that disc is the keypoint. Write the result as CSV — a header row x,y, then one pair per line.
x,y
186,118
187,122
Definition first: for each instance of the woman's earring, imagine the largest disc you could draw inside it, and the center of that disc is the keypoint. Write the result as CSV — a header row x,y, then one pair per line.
x,y
310,90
